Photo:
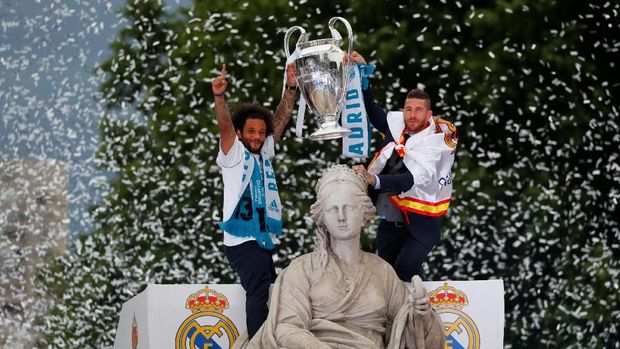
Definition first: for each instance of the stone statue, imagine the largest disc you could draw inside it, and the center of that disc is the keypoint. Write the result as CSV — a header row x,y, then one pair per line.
x,y
340,296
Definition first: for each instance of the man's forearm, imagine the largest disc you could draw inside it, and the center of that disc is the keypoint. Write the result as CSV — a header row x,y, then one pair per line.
x,y
222,114
224,121
283,113
376,114
396,183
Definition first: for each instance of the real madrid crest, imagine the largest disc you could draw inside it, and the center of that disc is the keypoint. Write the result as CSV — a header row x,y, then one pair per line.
x,y
460,330
207,327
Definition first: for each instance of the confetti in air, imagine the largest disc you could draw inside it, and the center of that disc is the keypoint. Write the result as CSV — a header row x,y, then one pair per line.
x,y
108,143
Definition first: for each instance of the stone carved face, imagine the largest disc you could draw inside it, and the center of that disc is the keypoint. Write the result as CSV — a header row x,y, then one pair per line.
x,y
342,212
339,186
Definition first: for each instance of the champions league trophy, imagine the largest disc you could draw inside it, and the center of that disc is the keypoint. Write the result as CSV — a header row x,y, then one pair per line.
x,y
322,75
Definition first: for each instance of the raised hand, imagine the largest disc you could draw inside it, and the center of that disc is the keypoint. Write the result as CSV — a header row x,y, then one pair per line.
x,y
291,74
219,84
368,178
357,58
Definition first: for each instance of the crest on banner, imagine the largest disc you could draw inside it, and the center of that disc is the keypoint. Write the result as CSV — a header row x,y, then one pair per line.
x,y
134,333
460,330
207,326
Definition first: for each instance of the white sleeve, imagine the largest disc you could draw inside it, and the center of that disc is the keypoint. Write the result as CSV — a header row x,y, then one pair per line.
x,y
234,156
269,147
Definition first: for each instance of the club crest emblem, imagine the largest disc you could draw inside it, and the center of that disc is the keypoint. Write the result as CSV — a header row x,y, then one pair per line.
x,y
134,333
460,330
207,327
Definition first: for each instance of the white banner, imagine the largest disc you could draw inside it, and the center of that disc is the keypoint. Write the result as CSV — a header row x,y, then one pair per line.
x,y
213,316
472,312
357,143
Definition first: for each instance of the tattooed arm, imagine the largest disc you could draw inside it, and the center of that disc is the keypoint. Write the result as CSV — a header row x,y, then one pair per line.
x,y
224,121
285,108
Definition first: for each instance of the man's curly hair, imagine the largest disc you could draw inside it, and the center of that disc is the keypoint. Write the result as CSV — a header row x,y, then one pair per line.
x,y
241,112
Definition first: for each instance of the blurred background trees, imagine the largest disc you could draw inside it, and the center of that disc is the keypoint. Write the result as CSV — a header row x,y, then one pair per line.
x,y
529,84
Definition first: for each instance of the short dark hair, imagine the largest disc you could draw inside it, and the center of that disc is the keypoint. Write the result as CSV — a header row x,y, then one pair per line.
x,y
241,112
420,94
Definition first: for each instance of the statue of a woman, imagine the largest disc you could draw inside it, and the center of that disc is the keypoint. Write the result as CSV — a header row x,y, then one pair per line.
x,y
340,296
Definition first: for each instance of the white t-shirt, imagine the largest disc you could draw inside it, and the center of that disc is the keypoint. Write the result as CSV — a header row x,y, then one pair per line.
x,y
232,173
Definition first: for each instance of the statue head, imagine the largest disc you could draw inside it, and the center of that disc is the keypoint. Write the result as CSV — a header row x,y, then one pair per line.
x,y
342,207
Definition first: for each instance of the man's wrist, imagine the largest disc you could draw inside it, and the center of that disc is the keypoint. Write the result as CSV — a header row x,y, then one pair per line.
x,y
377,183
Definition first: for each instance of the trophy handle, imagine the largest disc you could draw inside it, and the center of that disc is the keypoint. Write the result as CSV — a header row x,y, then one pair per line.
x,y
289,32
331,23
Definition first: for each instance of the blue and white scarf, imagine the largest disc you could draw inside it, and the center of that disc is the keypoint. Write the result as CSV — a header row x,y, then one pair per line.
x,y
357,143
259,200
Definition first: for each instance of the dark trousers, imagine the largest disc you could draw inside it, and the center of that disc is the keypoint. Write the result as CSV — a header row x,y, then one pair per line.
x,y
406,246
256,271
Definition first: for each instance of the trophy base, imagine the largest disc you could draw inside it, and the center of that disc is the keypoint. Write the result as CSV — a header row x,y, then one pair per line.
x,y
333,132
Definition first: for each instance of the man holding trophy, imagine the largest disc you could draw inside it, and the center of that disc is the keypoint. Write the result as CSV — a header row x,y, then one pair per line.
x,y
410,177
252,210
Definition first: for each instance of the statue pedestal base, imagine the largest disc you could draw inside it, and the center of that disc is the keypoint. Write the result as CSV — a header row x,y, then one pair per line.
x,y
213,315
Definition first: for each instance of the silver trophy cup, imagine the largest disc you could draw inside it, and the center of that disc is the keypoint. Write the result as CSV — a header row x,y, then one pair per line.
x,y
322,75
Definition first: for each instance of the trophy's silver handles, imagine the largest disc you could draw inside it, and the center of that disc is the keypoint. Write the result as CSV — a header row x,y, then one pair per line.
x,y
331,23
287,36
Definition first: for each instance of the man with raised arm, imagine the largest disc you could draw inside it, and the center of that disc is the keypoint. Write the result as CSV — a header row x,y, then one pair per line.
x,y
410,177
252,210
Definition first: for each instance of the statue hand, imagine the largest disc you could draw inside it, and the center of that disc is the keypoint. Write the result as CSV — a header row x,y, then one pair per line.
x,y
419,297
422,306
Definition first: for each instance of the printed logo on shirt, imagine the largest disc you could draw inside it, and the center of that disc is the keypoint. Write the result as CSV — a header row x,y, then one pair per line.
x,y
445,180
273,206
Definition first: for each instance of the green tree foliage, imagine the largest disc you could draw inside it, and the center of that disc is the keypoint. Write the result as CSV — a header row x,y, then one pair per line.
x,y
528,83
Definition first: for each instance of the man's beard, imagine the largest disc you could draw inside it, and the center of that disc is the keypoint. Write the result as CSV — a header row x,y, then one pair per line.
x,y
249,147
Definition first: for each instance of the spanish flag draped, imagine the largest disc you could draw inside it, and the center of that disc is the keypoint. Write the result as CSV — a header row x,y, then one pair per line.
x,y
428,155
